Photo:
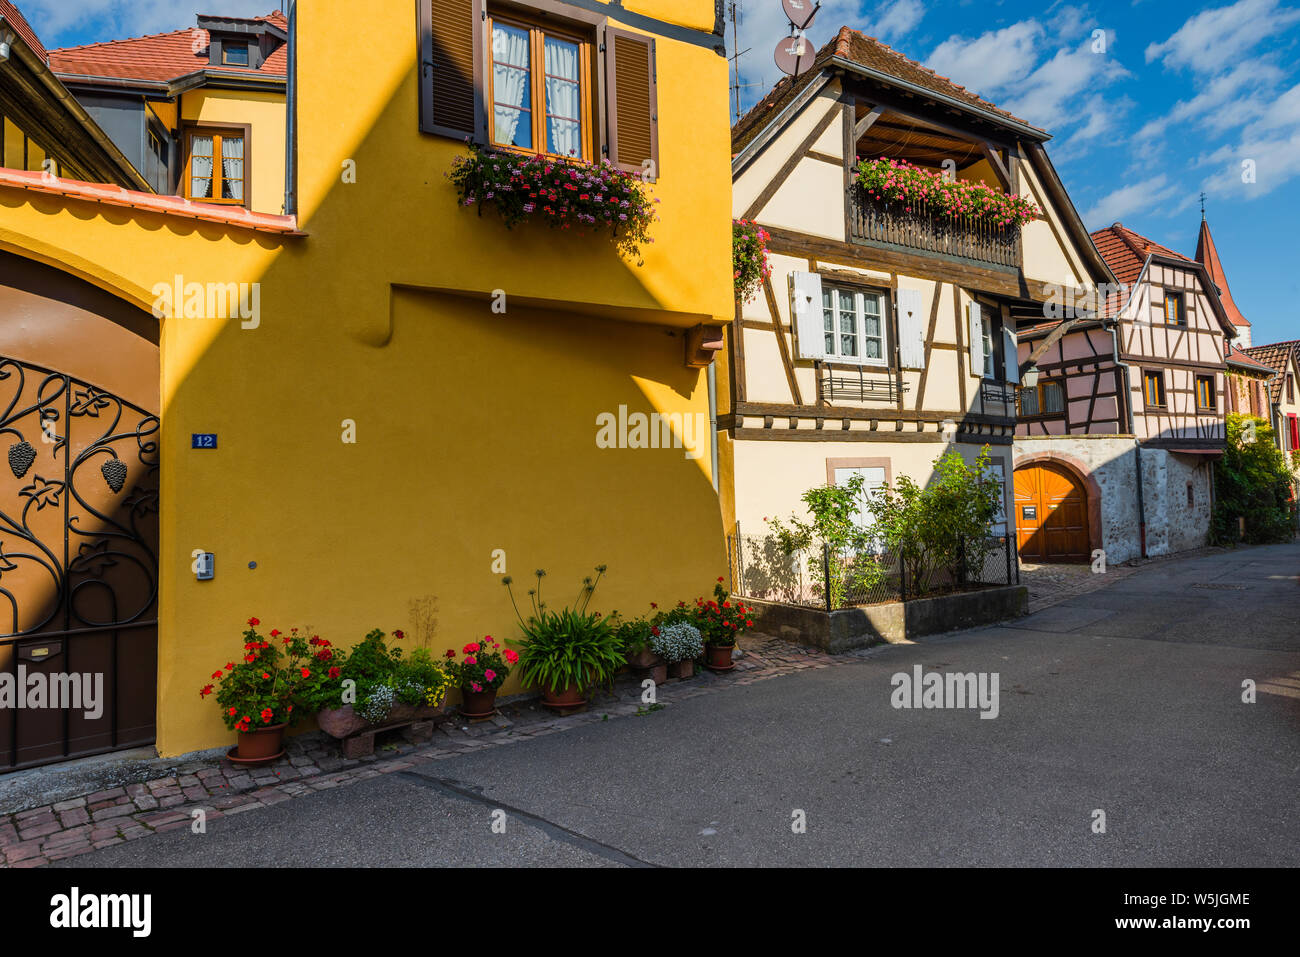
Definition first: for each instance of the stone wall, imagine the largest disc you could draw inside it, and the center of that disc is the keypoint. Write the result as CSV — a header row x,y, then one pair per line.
x,y
1171,524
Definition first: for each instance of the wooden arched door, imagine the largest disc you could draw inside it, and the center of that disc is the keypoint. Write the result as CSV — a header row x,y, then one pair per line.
x,y
1051,514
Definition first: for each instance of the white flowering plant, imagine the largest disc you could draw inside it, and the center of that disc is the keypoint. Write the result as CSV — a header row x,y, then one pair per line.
x,y
677,641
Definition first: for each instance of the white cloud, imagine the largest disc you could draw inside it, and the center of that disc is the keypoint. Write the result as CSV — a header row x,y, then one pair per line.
x,y
1227,100
1049,95
993,61
1272,159
896,21
1136,197
1215,38
61,22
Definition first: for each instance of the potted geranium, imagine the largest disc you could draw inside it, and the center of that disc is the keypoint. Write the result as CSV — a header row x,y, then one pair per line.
x,y
720,621
566,652
257,692
483,669
635,636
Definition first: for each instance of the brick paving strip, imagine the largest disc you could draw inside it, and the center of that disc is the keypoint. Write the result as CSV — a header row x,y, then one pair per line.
x,y
314,762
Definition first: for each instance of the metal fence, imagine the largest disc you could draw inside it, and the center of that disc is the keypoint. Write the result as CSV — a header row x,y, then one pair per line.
x,y
821,577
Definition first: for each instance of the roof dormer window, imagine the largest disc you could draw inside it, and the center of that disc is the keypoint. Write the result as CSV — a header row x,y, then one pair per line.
x,y
234,54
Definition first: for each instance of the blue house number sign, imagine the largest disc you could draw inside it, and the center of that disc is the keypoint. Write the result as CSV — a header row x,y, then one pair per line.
x,y
204,441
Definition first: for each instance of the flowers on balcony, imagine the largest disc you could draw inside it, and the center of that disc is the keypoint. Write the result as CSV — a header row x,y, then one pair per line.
x,y
563,193
917,189
748,258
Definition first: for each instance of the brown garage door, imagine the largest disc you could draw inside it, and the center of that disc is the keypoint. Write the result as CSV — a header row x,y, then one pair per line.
x,y
78,567
1051,515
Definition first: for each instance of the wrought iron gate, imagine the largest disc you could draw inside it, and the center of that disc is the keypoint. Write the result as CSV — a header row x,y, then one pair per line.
x,y
78,566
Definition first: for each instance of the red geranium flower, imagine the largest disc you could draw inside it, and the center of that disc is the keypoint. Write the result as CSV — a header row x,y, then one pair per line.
x,y
254,622
205,691
306,672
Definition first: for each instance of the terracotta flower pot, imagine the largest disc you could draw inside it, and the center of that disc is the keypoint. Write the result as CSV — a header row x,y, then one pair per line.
x,y
644,658
681,669
719,657
344,722
259,745
478,704
659,673
570,697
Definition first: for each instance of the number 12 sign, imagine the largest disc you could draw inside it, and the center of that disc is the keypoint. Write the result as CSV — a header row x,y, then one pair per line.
x,y
205,441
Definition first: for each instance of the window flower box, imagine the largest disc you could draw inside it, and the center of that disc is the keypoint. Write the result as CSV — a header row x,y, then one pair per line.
x,y
565,194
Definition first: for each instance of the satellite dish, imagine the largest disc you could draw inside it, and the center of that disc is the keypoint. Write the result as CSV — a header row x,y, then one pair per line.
x,y
801,12
794,55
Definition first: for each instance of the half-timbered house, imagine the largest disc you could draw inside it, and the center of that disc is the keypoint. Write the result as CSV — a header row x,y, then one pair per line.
x,y
885,335
1118,432
1278,399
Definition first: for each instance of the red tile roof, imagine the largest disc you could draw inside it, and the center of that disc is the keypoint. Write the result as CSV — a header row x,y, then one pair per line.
x,y
1238,358
1276,355
1208,256
149,202
14,17
1125,251
849,44
161,57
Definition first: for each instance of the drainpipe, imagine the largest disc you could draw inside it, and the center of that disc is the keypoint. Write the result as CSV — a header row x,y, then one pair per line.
x,y
712,377
291,117
1137,448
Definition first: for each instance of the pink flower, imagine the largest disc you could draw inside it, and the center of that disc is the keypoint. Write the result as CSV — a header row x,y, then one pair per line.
x,y
490,675
471,660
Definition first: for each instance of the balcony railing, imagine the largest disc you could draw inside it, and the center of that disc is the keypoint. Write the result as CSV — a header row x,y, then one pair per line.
x,y
889,224
859,386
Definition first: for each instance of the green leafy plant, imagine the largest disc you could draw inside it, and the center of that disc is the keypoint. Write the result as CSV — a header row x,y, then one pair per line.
x,y
1252,482
749,260
943,525
571,648
563,193
914,189
835,538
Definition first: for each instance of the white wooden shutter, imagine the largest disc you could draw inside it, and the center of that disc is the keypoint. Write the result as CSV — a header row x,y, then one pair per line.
x,y
976,339
994,472
1010,354
911,332
806,315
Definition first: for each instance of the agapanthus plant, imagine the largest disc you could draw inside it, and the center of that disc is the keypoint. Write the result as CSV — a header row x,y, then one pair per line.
x,y
914,189
749,263
563,193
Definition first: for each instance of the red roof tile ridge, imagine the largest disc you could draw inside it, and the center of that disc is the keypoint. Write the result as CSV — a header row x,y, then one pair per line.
x,y
109,43
39,181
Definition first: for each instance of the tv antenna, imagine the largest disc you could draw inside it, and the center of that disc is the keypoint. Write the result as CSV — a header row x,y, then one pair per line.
x,y
794,54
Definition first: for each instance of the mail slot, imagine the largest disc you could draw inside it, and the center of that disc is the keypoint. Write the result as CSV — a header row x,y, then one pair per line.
x,y
42,652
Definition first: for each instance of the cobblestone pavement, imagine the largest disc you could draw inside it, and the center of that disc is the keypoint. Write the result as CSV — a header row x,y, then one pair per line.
x,y
313,762
1052,584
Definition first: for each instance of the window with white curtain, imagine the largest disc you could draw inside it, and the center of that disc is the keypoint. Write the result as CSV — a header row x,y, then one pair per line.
x,y
854,324
540,86
217,167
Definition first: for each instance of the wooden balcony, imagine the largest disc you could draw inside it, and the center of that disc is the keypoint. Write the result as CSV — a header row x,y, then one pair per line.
x,y
887,224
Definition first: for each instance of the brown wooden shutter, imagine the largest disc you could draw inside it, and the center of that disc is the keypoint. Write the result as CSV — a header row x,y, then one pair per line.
x,y
452,49
633,101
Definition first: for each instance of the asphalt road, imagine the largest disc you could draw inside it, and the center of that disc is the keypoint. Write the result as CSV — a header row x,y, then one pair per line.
x,y
1127,700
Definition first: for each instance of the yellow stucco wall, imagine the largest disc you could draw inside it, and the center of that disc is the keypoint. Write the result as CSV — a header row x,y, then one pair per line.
x,y
475,430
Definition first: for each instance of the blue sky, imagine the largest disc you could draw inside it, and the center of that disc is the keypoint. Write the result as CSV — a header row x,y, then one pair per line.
x,y
1181,95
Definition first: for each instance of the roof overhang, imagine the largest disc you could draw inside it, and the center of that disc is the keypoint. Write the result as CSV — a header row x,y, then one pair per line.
x,y
41,95
209,77
1023,129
